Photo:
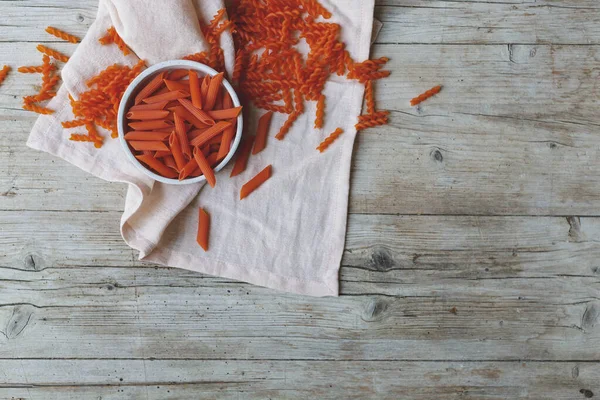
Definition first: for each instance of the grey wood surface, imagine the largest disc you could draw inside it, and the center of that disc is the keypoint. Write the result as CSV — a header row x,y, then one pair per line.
x,y
471,268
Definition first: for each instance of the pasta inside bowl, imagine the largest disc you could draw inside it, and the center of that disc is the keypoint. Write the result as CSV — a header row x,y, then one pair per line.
x,y
178,136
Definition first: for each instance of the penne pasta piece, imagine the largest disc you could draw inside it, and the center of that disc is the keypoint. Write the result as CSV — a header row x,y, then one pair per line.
x,y
169,161
152,86
189,168
200,114
195,133
261,132
147,114
147,135
203,229
243,155
177,85
177,74
213,90
205,167
194,85
228,133
146,107
204,86
148,153
150,125
178,94
255,182
213,159
188,116
157,166
162,154
180,161
228,113
141,145
181,131
210,133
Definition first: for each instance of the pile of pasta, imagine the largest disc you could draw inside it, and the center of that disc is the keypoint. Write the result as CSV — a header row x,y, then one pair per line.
x,y
181,126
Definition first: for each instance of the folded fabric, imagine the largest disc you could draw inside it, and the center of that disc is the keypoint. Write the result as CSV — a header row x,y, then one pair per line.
x,y
289,235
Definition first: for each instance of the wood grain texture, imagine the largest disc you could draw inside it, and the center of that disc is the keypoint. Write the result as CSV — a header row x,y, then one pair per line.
x,y
471,266
175,379
516,284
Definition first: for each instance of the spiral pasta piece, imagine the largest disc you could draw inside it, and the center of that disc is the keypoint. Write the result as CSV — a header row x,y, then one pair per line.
x,y
52,53
62,35
330,139
422,97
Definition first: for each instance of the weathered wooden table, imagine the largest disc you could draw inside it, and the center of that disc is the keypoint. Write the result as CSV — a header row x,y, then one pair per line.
x,y
472,267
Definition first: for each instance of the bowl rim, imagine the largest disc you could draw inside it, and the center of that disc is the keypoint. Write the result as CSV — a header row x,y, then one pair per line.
x,y
170,65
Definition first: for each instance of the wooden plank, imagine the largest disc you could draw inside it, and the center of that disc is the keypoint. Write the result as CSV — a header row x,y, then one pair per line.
x,y
522,140
417,288
489,22
405,21
128,379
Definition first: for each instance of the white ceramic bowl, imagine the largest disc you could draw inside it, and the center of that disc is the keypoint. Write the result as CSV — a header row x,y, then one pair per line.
x,y
135,87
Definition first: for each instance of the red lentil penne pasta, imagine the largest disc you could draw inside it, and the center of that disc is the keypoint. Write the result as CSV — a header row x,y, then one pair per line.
x,y
169,161
157,166
203,229
228,113
188,116
210,133
213,90
177,85
150,125
147,135
162,154
204,86
147,114
213,159
162,90
200,114
228,133
152,106
181,131
195,89
204,165
152,86
196,132
243,156
176,150
141,145
189,168
178,94
255,182
260,142
177,74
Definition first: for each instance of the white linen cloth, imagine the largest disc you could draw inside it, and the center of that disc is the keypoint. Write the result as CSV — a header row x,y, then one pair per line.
x,y
288,235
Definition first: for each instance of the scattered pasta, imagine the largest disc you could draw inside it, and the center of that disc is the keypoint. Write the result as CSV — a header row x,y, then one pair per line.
x,y
422,97
62,35
255,182
203,229
52,53
4,73
330,139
